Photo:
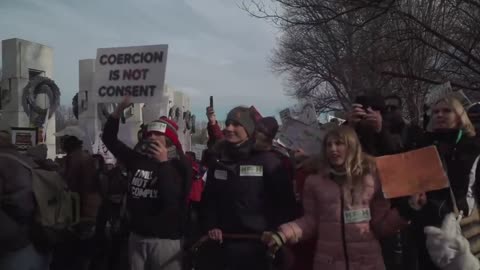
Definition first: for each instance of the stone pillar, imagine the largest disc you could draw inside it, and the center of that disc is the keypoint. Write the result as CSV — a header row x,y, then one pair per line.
x,y
87,109
22,60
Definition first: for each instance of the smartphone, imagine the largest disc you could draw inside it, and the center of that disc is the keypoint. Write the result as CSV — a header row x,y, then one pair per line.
x,y
363,100
211,101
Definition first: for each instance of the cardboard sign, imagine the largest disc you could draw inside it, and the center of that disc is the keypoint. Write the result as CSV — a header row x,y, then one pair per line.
x,y
138,72
411,173
445,90
303,112
295,134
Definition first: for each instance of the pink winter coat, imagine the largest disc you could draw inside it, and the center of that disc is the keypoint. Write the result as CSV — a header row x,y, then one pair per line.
x,y
338,242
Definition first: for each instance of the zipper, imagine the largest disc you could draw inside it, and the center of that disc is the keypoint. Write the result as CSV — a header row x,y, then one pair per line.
x,y
344,242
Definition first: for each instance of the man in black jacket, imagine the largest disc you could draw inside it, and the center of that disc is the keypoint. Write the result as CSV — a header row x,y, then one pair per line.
x,y
157,195
406,136
17,206
247,192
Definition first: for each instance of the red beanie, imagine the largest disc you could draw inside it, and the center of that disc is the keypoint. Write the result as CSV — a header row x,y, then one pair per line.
x,y
166,127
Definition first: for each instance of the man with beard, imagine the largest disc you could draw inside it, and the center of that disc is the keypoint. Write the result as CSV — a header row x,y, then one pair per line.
x,y
382,131
406,136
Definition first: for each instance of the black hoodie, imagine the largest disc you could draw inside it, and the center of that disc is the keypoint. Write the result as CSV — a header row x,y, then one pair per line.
x,y
158,191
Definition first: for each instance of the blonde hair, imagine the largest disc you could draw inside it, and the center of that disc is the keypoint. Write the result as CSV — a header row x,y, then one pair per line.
x,y
357,164
457,107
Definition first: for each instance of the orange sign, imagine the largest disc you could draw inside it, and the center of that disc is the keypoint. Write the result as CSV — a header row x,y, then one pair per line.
x,y
411,173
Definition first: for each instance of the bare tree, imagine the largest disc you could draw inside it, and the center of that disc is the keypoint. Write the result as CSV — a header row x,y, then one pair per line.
x,y
333,50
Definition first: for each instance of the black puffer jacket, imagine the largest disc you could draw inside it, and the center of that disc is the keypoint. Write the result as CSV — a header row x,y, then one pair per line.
x,y
17,202
246,191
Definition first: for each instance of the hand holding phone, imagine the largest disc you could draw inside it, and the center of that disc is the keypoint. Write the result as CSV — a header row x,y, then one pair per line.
x,y
212,119
356,114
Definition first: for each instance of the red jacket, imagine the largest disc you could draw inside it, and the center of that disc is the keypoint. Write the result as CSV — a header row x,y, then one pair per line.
x,y
215,134
198,184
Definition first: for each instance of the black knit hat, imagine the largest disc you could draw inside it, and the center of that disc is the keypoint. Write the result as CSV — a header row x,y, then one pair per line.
x,y
242,116
268,126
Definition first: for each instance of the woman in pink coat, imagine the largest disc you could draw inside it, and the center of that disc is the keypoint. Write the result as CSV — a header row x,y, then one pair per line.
x,y
344,208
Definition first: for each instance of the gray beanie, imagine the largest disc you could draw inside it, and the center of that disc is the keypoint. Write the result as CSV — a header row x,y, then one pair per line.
x,y
242,116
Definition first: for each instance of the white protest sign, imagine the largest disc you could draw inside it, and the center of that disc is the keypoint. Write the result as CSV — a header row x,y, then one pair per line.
x,y
295,134
138,72
303,112
445,90
438,92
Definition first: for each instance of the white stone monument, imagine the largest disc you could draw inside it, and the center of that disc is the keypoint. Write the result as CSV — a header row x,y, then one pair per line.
x,y
22,61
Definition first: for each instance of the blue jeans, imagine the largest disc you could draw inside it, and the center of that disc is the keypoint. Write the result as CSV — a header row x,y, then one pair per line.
x,y
27,258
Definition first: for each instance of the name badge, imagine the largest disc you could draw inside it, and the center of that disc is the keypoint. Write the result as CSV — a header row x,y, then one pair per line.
x,y
357,216
221,175
251,170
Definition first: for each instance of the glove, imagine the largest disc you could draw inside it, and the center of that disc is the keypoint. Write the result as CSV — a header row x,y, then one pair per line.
x,y
448,249
274,241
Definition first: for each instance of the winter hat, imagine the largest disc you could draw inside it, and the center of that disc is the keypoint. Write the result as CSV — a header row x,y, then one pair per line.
x,y
268,126
166,127
243,116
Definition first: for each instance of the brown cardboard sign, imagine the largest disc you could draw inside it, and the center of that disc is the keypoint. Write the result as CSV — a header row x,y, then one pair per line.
x,y
411,172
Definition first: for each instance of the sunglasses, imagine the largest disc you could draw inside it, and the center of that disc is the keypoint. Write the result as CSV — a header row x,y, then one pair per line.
x,y
391,108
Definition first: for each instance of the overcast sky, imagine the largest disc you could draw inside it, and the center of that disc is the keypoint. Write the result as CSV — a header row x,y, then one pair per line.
x,y
215,48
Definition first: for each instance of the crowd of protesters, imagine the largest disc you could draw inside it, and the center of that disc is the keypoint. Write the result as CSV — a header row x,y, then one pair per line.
x,y
248,202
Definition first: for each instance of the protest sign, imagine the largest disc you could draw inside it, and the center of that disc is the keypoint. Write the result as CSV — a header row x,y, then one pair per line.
x,y
138,72
295,134
411,173
303,112
445,90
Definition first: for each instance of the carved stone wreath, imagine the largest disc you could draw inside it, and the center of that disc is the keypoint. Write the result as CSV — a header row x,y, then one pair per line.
x,y
40,85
